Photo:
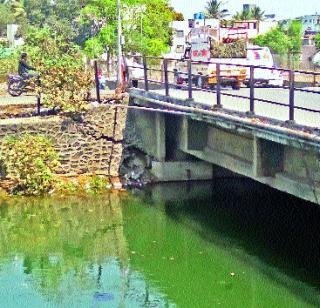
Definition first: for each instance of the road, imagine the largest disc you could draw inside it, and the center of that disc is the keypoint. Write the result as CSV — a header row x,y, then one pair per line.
x,y
21,100
302,99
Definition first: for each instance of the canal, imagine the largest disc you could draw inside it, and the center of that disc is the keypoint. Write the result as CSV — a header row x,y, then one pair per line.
x,y
229,243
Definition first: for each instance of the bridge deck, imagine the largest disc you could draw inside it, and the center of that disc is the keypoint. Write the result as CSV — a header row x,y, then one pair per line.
x,y
302,99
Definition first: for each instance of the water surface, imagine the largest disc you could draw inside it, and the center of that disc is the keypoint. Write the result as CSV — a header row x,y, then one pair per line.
x,y
230,243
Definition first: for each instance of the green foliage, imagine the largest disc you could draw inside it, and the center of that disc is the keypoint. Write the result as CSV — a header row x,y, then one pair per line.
x,y
177,16
83,185
18,10
284,41
295,37
61,16
98,184
275,39
255,13
28,161
317,41
146,25
6,17
61,235
214,9
66,82
67,187
8,63
281,41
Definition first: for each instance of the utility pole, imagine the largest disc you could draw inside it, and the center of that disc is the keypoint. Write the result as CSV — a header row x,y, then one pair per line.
x,y
119,77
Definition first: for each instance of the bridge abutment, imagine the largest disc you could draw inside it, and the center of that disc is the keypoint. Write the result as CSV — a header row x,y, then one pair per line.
x,y
275,155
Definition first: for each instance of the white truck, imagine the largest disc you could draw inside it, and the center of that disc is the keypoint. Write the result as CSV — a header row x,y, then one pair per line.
x,y
207,48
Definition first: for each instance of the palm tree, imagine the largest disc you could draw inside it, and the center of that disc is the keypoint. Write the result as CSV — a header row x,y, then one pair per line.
x,y
257,13
243,15
214,9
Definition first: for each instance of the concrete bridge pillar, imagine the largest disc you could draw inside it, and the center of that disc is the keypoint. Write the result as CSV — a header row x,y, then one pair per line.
x,y
150,131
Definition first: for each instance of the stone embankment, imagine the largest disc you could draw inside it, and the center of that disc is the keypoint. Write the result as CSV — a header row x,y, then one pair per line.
x,y
88,143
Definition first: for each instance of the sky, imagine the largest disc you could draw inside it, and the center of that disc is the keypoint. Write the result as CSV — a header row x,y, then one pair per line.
x,y
282,8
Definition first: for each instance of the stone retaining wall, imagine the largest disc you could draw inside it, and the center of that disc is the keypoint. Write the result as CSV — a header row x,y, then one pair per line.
x,y
90,143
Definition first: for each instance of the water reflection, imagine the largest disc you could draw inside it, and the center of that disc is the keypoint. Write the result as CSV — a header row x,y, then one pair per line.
x,y
271,241
68,253
224,244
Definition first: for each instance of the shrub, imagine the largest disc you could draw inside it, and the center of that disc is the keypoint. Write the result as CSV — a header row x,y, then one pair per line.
x,y
98,184
29,161
317,41
65,82
8,65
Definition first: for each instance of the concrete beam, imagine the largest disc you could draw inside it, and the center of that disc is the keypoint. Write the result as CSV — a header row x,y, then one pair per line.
x,y
181,171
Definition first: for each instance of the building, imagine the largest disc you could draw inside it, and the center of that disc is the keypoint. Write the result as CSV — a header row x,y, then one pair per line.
x,y
248,7
180,31
310,27
255,27
310,23
247,29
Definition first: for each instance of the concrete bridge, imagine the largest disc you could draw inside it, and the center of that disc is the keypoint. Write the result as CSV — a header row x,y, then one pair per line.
x,y
192,139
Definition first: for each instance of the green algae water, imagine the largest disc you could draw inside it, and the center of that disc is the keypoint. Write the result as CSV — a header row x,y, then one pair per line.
x,y
230,243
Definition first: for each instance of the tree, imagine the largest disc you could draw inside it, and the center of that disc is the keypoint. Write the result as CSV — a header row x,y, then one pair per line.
x,y
177,16
67,82
6,17
214,9
254,13
283,42
275,39
62,16
18,10
257,13
295,42
295,37
243,15
146,26
317,41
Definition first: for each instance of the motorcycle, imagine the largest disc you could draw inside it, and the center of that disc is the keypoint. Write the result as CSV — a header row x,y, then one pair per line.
x,y
18,85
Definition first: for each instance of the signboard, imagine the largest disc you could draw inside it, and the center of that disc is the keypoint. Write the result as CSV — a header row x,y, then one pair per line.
x,y
199,16
200,52
191,23
200,35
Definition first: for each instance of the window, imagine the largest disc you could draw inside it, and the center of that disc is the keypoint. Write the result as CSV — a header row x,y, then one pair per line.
x,y
180,49
180,33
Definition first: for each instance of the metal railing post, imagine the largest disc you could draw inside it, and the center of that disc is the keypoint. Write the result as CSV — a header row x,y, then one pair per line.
x,y
291,96
251,82
190,80
97,80
166,77
145,70
218,86
38,104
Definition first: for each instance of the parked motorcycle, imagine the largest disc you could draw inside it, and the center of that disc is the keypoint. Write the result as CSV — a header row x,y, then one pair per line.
x,y
17,85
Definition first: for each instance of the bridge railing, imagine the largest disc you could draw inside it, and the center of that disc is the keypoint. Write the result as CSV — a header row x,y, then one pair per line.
x,y
190,76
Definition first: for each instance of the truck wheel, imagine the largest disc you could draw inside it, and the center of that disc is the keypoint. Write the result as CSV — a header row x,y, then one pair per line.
x,y
235,86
